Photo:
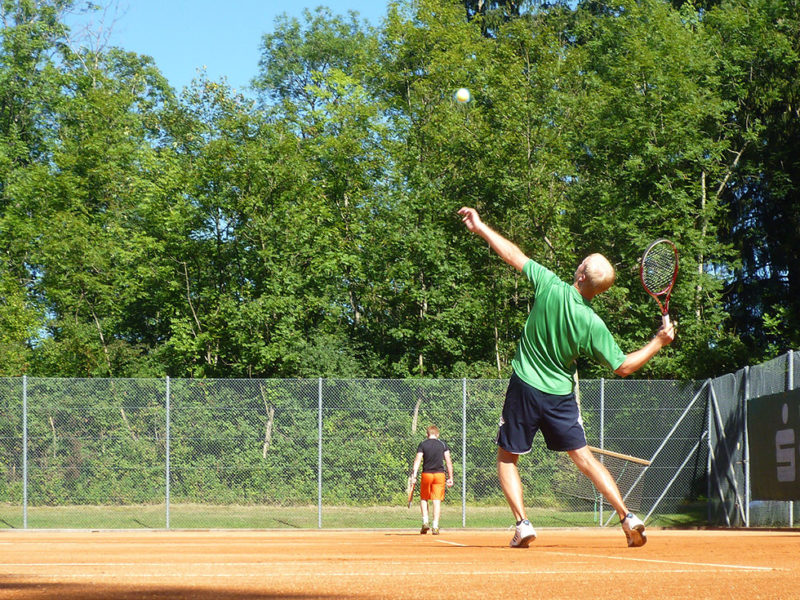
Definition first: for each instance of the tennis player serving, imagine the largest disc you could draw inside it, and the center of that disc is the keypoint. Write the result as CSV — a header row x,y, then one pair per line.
x,y
561,326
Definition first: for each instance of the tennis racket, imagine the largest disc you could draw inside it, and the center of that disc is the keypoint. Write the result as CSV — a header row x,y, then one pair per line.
x,y
658,272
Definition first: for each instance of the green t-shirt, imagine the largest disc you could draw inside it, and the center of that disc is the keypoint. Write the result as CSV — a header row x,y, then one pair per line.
x,y
561,326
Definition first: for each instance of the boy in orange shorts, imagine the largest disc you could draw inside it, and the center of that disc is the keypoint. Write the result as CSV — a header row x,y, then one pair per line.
x,y
431,454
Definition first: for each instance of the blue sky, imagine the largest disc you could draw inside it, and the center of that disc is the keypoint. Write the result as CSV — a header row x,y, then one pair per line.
x,y
223,36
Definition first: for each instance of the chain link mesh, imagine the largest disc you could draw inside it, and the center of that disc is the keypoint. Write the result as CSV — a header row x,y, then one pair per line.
x,y
336,453
240,444
96,452
11,453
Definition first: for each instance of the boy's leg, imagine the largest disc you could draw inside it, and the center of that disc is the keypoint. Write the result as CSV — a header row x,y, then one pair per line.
x,y
423,506
437,510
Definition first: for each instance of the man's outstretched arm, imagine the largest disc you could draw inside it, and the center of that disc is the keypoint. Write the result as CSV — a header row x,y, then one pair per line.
x,y
504,248
639,358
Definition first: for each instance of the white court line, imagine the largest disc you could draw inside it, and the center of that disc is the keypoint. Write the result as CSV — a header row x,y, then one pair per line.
x,y
260,564
336,574
451,543
358,574
674,562
695,568
699,567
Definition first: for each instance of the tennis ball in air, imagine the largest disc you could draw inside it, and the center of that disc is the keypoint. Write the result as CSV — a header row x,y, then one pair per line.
x,y
462,95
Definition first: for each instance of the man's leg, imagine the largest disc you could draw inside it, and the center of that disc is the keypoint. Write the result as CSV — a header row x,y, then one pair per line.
x,y
605,484
437,510
600,477
510,482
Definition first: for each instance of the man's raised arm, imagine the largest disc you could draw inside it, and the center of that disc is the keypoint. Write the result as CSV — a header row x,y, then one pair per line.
x,y
504,248
637,359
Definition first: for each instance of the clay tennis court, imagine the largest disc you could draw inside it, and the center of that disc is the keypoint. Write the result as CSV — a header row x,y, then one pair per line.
x,y
572,563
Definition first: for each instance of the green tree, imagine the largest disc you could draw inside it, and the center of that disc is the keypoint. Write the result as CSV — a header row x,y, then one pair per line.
x,y
758,42
29,89
313,231
315,79
232,262
429,311
647,145
81,208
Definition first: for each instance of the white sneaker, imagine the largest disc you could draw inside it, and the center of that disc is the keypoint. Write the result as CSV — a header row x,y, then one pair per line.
x,y
524,535
634,530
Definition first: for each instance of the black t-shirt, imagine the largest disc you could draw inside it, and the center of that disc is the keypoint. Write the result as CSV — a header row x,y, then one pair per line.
x,y
433,450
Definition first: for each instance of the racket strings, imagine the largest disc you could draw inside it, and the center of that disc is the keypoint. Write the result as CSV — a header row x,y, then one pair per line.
x,y
658,267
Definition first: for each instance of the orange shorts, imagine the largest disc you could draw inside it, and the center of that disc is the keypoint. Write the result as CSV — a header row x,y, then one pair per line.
x,y
431,487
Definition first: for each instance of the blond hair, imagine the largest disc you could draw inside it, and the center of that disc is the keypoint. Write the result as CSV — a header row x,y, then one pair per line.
x,y
433,430
600,274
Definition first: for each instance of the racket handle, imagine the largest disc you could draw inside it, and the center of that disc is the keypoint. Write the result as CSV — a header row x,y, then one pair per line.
x,y
665,320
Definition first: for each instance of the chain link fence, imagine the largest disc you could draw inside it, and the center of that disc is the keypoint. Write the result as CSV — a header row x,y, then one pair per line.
x,y
178,453
730,501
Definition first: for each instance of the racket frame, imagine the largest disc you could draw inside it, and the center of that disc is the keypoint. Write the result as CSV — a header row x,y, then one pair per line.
x,y
667,291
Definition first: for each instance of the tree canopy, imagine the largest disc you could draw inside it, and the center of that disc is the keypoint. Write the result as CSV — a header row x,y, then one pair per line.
x,y
310,228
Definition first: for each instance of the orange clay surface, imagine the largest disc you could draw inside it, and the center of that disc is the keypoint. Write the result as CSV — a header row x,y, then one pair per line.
x,y
561,563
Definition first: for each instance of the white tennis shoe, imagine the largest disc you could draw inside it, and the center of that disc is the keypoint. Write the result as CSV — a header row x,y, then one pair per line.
x,y
634,530
524,534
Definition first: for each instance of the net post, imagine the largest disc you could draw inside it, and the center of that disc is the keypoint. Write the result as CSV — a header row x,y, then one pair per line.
x,y
464,452
24,451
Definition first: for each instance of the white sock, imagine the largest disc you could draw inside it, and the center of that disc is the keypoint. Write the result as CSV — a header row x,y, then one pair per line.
x,y
435,524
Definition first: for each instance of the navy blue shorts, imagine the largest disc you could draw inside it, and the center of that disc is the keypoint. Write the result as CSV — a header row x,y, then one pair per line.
x,y
527,410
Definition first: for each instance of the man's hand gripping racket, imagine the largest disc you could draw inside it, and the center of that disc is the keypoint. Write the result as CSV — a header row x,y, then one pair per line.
x,y
658,272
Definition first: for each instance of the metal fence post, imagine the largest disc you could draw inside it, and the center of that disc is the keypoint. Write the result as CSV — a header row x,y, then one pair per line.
x,y
746,448
24,451
464,452
790,387
710,384
319,455
166,455
602,432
